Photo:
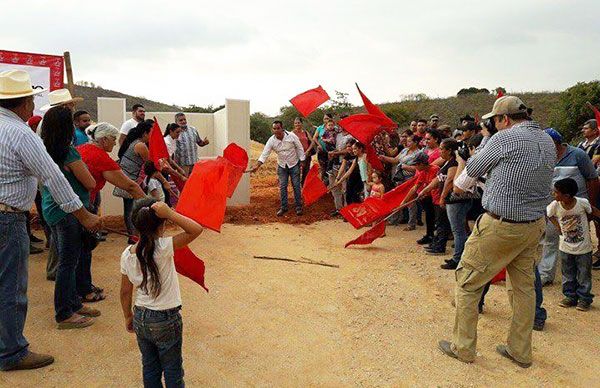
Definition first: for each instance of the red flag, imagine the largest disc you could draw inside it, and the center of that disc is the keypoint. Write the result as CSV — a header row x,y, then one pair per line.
x,y
476,119
189,265
204,196
307,102
500,94
373,209
363,127
372,158
157,148
373,109
313,188
369,236
596,113
238,158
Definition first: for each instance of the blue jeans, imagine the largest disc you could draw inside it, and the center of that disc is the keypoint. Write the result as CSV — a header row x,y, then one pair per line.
x,y
83,273
540,313
457,215
577,276
14,252
127,212
547,265
160,338
67,233
293,174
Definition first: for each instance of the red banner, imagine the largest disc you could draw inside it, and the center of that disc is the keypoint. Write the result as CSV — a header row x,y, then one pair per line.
x,y
238,158
54,62
190,266
157,148
369,236
374,110
307,102
313,188
374,209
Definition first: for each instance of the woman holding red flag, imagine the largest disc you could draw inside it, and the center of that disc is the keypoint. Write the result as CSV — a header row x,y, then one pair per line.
x,y
305,140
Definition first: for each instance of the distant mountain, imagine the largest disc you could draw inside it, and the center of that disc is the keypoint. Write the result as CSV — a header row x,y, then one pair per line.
x,y
90,104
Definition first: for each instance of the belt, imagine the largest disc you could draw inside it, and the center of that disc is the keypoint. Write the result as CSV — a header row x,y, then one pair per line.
x,y
502,219
4,208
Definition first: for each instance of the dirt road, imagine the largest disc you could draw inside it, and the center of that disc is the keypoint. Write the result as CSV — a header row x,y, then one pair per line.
x,y
375,320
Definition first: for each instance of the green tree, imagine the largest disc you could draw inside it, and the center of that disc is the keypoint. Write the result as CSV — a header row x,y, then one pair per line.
x,y
471,90
199,109
260,127
572,109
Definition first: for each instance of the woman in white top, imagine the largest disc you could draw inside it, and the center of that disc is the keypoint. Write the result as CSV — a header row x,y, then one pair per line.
x,y
149,267
172,171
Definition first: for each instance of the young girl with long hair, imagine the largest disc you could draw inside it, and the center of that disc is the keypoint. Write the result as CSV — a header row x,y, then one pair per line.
x,y
149,267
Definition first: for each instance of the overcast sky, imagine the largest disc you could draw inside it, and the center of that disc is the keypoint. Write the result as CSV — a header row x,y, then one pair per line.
x,y
198,52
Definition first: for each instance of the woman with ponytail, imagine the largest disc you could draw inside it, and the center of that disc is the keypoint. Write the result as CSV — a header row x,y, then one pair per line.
x,y
149,267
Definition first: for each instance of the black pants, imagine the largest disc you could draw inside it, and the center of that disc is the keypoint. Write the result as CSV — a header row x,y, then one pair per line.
x,y
429,210
442,227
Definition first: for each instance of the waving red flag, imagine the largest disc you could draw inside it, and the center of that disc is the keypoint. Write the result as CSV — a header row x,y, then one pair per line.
x,y
369,236
372,158
238,158
313,188
499,277
373,209
157,148
204,196
307,102
190,266
363,127
596,113
500,94
374,110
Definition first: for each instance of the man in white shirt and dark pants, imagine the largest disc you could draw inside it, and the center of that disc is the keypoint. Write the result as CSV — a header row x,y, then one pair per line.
x,y
289,155
138,114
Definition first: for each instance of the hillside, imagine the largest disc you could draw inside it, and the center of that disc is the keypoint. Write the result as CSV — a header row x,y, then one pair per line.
x,y
452,108
90,96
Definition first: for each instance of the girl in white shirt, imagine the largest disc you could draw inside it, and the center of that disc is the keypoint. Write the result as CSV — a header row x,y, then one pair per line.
x,y
149,267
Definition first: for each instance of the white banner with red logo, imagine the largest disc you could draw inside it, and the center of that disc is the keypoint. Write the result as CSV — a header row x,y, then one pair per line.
x,y
46,71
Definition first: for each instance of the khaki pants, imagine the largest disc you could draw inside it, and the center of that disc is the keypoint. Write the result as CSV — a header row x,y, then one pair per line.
x,y
494,245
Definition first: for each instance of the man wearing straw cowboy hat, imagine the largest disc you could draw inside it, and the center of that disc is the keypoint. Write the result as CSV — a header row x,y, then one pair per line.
x,y
23,160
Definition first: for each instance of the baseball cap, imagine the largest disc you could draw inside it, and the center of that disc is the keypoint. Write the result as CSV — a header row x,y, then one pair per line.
x,y
469,126
34,120
419,158
434,116
554,134
506,105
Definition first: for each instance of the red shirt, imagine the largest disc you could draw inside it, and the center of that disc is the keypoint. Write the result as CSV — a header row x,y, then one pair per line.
x,y
97,161
424,177
433,154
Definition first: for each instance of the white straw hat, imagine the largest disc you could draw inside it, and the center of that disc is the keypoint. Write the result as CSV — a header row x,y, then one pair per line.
x,y
59,97
15,84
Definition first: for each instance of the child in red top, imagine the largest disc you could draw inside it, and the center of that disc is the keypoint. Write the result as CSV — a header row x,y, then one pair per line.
x,y
377,188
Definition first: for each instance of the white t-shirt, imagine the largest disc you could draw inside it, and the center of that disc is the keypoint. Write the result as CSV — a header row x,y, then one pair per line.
x,y
574,224
171,145
128,125
154,184
169,296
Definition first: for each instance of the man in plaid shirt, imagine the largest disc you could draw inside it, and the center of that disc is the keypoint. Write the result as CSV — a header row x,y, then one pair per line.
x,y
186,154
519,162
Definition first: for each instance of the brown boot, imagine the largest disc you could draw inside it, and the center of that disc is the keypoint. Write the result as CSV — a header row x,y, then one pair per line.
x,y
32,361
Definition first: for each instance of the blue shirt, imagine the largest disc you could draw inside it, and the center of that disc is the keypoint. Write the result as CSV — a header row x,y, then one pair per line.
x,y
575,164
80,137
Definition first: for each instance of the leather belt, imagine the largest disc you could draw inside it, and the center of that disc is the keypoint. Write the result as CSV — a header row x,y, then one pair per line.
x,y
502,219
4,208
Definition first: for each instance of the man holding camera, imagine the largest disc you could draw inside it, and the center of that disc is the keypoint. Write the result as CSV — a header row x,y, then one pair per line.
x,y
519,162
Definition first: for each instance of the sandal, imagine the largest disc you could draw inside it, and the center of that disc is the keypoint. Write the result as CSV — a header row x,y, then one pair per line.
x,y
409,228
97,289
79,323
96,297
89,312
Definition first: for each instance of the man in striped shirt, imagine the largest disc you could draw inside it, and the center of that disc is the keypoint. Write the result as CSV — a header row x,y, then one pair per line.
x,y
186,154
519,161
23,160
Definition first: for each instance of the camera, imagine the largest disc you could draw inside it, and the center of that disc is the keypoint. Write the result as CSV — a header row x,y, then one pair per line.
x,y
490,125
463,152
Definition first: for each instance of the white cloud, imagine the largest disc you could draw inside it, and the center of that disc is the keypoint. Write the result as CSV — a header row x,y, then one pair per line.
x,y
200,52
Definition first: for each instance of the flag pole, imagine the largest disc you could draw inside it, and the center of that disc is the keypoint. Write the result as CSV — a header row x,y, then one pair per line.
x,y
69,71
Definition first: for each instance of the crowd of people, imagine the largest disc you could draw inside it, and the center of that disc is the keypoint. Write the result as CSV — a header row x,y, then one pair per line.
x,y
500,174
61,162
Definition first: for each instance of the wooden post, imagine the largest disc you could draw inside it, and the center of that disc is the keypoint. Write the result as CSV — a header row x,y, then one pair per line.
x,y
69,69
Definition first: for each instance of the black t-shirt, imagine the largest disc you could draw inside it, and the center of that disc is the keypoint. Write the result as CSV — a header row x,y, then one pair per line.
x,y
443,173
